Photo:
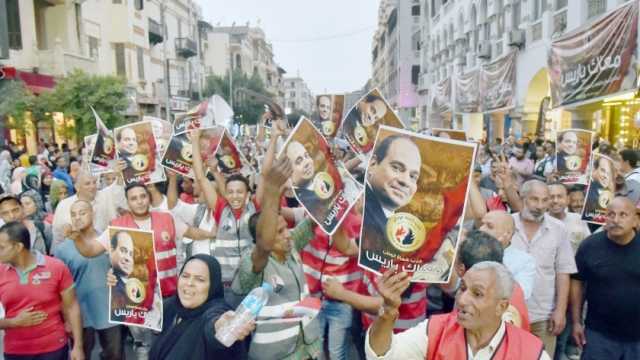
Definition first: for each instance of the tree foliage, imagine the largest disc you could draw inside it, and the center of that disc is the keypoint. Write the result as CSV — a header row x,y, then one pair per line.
x,y
247,109
72,95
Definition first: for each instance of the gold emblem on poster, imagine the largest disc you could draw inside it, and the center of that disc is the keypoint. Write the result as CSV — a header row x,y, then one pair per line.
x,y
604,198
328,127
139,162
361,135
135,290
186,152
228,161
573,162
405,232
107,145
323,185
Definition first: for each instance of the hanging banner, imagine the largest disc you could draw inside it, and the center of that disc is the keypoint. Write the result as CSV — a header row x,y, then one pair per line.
x,y
441,98
414,198
325,189
327,116
360,126
498,83
468,92
597,60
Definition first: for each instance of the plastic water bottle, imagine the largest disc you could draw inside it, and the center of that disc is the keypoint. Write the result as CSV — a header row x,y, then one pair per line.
x,y
248,310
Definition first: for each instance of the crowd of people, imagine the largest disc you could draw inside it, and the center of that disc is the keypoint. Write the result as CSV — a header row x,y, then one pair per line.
x,y
531,279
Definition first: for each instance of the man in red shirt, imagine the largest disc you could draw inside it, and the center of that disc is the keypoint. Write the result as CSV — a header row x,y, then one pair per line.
x,y
37,293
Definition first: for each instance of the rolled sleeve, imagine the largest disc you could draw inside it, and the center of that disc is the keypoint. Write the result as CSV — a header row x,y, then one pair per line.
x,y
409,344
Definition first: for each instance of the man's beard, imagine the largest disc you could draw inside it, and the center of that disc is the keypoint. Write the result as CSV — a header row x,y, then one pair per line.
x,y
529,216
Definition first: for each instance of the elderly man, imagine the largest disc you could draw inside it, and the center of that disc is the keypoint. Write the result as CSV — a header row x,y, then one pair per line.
x,y
547,240
105,204
474,331
608,278
500,225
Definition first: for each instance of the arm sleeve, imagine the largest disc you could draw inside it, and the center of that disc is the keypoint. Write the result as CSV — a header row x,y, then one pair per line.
x,y
565,261
181,228
245,279
582,271
409,344
66,280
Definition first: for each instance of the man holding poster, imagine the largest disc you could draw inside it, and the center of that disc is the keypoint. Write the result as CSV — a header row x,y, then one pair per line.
x,y
412,201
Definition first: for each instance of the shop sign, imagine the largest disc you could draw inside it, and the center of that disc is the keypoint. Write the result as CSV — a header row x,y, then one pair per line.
x,y
596,60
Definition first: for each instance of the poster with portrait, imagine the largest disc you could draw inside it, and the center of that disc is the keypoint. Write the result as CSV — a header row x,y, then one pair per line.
x,y
415,196
95,170
327,115
361,124
103,151
601,190
326,190
162,131
229,159
573,155
136,145
200,116
135,298
450,134
178,156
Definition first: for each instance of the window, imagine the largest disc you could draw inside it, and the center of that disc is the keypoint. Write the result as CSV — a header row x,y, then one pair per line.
x,y
539,6
415,10
292,94
117,1
415,74
93,47
140,53
561,4
121,69
138,4
596,7
517,14
13,24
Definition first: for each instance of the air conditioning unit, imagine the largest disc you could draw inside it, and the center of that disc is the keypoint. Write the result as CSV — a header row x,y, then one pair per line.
x,y
484,49
515,38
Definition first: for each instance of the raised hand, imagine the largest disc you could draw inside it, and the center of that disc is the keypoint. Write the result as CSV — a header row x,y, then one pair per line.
x,y
391,286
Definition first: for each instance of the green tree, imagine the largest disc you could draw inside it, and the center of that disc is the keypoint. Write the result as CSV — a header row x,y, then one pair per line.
x,y
247,108
78,91
16,101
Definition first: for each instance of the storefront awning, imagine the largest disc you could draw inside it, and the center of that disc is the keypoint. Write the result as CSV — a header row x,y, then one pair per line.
x,y
36,83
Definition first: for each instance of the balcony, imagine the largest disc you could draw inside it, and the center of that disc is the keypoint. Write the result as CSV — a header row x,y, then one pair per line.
x,y
186,47
156,35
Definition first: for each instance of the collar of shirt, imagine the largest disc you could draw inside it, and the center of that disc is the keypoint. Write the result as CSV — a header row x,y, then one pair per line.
x,y
40,261
487,351
520,226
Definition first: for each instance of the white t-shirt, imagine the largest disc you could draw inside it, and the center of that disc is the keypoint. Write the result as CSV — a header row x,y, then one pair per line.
x,y
187,214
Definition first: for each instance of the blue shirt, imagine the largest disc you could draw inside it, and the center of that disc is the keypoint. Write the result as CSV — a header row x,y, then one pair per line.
x,y
89,276
522,267
62,174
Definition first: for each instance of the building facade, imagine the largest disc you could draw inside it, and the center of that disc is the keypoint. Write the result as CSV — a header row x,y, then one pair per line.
x,y
396,55
297,96
244,48
115,37
463,36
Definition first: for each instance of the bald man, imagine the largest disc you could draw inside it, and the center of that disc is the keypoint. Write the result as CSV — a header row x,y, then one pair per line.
x,y
608,278
500,225
105,204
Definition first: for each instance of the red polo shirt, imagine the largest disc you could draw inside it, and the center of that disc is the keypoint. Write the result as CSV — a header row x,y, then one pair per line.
x,y
39,287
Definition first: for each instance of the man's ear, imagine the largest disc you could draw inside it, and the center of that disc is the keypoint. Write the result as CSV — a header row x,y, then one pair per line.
x,y
503,305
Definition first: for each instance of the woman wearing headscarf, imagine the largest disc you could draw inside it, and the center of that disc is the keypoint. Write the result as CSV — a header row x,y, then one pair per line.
x,y
5,169
32,205
192,317
19,174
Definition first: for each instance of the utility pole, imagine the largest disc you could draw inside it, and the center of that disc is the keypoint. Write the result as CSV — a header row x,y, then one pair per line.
x,y
167,86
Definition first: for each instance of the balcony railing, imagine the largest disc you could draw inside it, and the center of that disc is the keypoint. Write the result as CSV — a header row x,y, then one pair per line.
x,y
156,35
186,47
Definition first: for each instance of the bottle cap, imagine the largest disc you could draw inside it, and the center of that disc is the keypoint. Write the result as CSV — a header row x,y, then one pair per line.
x,y
268,287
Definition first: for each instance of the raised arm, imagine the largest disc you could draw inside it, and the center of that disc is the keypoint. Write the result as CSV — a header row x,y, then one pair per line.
x,y
267,227
172,189
267,162
208,190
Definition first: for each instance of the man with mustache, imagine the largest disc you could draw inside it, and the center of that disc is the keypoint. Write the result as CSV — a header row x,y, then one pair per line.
x,y
547,240
608,278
